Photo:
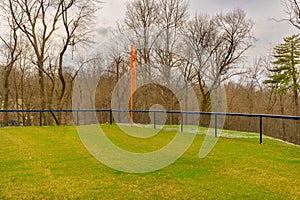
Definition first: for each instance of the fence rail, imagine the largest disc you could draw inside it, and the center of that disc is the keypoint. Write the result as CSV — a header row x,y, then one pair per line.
x,y
181,113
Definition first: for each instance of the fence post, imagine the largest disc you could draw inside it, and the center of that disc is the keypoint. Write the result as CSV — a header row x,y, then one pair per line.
x,y
181,121
41,120
216,126
77,117
154,119
110,117
260,130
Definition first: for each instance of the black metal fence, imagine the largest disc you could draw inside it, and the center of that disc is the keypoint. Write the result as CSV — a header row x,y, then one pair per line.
x,y
261,118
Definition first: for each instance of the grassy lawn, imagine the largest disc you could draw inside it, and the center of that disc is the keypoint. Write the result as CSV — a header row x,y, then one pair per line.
x,y
52,163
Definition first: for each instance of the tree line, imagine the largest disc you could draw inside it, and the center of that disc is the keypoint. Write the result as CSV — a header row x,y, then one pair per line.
x,y
43,47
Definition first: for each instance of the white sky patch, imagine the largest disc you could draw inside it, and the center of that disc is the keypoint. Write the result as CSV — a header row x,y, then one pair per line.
x,y
111,12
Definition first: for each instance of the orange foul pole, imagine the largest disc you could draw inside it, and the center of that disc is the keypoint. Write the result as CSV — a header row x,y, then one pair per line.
x,y
132,79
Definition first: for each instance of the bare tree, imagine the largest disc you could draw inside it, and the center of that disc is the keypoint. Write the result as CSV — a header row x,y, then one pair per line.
x,y
45,23
153,23
293,12
235,32
201,36
172,14
24,82
11,52
252,84
218,43
141,17
76,23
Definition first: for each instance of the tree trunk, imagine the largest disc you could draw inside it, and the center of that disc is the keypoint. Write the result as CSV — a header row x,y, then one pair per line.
x,y
42,88
6,75
16,96
282,109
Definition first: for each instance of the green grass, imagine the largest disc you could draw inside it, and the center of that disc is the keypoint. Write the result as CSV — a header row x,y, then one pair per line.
x,y
52,163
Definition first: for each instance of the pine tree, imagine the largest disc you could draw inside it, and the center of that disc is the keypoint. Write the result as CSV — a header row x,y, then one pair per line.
x,y
285,73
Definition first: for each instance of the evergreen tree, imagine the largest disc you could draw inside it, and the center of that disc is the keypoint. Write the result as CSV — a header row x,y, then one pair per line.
x,y
285,72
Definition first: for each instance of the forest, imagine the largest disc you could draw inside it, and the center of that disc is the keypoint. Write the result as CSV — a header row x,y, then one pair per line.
x,y
48,45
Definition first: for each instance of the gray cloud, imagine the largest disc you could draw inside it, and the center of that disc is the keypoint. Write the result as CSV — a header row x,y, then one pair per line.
x,y
104,31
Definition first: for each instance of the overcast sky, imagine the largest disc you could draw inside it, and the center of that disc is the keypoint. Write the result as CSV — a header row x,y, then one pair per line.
x,y
263,13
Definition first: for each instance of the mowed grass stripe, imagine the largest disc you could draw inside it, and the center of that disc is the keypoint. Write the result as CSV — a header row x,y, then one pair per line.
x,y
52,163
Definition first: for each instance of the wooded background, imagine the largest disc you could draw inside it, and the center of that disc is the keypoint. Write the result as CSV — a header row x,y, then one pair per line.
x,y
43,47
